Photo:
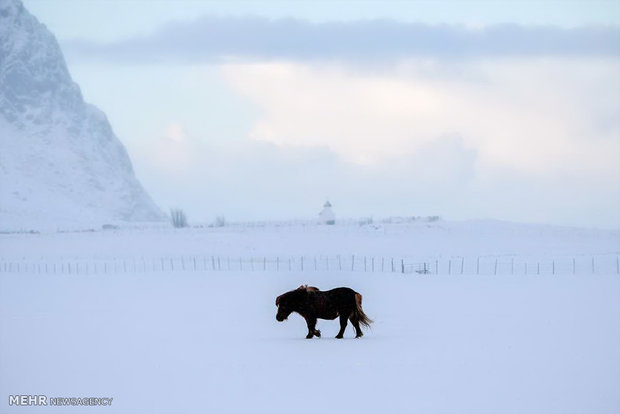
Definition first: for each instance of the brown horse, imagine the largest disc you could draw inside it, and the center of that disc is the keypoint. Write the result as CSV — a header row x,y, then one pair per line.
x,y
313,304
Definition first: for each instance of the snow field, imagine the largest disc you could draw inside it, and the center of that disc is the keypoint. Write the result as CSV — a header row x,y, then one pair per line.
x,y
191,342
439,239
204,341
453,248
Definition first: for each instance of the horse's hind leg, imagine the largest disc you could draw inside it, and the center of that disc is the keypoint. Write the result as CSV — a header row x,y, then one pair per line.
x,y
343,326
356,324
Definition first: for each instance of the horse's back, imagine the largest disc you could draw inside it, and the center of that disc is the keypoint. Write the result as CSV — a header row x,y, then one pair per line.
x,y
342,296
341,291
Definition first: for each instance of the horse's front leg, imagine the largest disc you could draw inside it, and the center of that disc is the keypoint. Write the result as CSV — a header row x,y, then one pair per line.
x,y
312,331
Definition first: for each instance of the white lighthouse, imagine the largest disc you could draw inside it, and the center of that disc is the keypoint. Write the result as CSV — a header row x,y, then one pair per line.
x,y
326,216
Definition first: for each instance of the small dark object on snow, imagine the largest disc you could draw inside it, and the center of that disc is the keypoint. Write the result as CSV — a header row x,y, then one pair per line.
x,y
313,304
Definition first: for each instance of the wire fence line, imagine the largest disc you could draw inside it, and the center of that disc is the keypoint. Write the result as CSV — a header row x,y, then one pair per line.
x,y
482,265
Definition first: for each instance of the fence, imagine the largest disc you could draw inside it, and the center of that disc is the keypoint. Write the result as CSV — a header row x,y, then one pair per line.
x,y
483,265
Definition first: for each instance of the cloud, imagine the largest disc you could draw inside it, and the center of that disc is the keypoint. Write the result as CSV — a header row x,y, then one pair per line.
x,y
175,132
234,39
383,118
172,151
537,117
260,180
512,138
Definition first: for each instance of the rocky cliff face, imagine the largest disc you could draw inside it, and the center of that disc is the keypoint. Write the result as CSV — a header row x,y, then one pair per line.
x,y
60,161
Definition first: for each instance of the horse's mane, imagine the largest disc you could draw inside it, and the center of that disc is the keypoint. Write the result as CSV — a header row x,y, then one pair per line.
x,y
300,288
308,288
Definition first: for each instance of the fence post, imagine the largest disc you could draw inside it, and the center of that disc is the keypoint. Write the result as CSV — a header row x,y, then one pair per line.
x,y
321,263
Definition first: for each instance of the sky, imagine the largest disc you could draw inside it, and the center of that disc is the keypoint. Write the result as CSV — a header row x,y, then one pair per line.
x,y
262,110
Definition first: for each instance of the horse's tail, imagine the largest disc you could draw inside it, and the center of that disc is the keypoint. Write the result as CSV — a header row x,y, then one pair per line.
x,y
359,313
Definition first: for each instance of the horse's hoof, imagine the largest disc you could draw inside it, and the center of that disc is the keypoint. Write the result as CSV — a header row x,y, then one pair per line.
x,y
338,336
317,333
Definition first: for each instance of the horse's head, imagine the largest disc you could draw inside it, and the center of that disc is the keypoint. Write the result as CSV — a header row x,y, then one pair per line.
x,y
285,307
292,301
289,302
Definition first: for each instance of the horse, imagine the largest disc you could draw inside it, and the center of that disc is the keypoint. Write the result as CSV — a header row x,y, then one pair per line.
x,y
312,304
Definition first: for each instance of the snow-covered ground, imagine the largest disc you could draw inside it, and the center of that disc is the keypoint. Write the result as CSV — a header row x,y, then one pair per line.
x,y
173,341
418,239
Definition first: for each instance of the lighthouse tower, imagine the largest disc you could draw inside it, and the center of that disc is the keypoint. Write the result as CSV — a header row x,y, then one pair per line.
x,y
326,216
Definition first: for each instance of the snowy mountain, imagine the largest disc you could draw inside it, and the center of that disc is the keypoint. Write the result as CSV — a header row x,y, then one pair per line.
x,y
60,162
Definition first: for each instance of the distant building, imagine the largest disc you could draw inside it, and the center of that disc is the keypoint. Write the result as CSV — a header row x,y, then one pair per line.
x,y
326,216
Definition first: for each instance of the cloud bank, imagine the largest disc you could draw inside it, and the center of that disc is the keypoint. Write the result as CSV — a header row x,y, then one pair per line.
x,y
233,39
525,140
535,117
383,118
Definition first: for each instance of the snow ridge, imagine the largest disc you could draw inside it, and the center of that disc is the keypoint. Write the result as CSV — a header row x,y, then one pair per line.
x,y
60,161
